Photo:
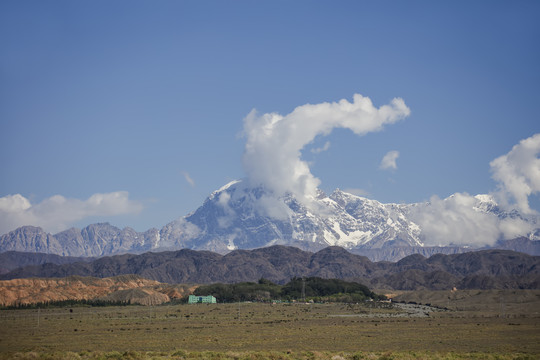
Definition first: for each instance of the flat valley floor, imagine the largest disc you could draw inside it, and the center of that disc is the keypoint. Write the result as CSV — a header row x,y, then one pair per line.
x,y
480,324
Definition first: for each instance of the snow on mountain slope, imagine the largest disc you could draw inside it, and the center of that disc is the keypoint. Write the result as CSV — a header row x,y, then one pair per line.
x,y
238,216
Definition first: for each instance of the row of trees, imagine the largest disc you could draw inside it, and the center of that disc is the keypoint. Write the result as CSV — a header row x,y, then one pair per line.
x,y
67,303
311,288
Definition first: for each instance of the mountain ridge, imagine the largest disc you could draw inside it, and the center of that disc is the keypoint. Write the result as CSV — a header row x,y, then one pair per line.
x,y
238,216
278,263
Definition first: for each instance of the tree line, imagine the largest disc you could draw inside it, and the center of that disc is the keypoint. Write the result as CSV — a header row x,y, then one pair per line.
x,y
66,303
309,289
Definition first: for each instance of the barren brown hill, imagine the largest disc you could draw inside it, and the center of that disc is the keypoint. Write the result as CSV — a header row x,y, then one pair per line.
x,y
486,269
11,260
128,288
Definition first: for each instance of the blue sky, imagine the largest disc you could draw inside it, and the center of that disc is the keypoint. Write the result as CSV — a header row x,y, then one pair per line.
x,y
148,98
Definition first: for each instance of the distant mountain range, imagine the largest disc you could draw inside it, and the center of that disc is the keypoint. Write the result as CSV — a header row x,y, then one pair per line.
x,y
487,269
241,217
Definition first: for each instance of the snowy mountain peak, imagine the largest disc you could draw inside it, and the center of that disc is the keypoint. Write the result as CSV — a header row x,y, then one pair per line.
x,y
486,203
223,188
238,216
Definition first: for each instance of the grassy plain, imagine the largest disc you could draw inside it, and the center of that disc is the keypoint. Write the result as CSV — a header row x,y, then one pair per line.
x,y
284,331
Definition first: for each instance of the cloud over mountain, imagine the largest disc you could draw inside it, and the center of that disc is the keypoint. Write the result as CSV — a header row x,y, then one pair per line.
x,y
457,220
272,158
58,213
518,174
274,142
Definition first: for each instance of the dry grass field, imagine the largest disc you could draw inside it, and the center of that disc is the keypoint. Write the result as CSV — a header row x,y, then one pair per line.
x,y
505,325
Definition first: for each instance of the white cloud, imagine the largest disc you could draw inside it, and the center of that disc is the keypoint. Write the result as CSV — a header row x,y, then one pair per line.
x,y
228,213
461,220
188,178
518,174
274,142
272,207
511,228
321,149
389,160
14,203
454,221
58,213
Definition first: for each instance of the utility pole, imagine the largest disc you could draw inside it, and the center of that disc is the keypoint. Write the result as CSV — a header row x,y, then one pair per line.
x,y
304,289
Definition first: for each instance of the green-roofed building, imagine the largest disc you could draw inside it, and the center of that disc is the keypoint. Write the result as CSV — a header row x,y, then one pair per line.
x,y
193,299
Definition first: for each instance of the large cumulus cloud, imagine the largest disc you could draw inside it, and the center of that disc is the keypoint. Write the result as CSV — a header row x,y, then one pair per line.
x,y
462,219
272,156
518,174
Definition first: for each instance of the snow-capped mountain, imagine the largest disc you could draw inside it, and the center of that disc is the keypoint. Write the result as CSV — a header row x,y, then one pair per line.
x,y
239,216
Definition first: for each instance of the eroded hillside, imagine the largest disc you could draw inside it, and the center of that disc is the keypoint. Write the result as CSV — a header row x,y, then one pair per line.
x,y
128,288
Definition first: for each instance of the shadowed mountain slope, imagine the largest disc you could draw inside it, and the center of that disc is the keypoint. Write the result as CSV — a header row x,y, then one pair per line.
x,y
11,260
481,269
